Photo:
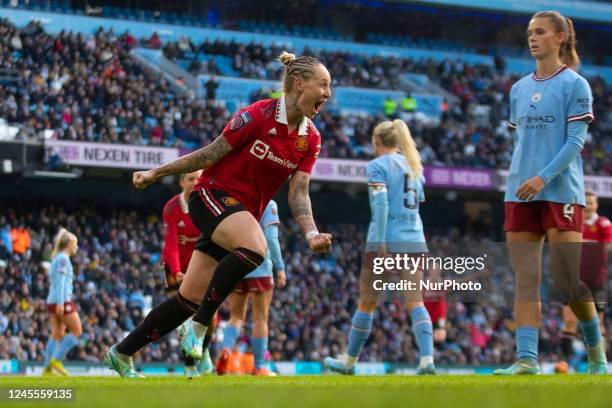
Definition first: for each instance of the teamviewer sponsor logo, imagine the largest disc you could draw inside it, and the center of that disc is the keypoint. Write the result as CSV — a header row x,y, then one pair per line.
x,y
262,151
259,149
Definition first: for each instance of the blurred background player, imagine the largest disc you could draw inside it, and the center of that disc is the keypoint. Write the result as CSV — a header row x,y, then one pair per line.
x,y
437,307
62,311
597,233
263,146
258,286
395,184
180,238
545,188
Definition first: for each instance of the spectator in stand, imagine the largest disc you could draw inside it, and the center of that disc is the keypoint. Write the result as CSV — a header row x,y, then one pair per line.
x,y
21,239
211,89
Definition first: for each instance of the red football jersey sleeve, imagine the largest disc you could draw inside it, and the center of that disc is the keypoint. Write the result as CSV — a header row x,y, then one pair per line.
x,y
171,249
606,230
241,128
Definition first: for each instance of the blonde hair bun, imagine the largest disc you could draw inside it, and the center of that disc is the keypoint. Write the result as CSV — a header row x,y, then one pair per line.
x,y
286,58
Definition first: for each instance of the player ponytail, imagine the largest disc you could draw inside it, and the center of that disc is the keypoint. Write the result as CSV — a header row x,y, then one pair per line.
x,y
397,134
408,148
296,67
61,241
567,52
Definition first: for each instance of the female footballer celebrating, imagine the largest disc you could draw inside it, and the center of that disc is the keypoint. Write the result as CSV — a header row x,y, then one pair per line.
x,y
550,110
263,145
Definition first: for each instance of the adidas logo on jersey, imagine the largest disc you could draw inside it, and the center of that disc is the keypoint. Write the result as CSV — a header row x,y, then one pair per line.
x,y
181,223
272,131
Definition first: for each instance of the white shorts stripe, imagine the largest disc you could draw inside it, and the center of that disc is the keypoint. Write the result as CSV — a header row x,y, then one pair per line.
x,y
207,197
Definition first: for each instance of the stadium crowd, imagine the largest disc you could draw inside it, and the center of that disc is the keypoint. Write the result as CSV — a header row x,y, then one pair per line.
x,y
89,88
471,133
118,278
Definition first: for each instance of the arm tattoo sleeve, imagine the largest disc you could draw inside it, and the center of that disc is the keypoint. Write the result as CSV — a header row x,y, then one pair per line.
x,y
299,201
202,158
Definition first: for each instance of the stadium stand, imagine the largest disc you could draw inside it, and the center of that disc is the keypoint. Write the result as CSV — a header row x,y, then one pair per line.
x,y
122,103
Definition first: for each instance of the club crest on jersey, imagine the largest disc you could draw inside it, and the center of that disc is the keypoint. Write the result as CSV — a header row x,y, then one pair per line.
x,y
240,121
230,201
301,143
536,97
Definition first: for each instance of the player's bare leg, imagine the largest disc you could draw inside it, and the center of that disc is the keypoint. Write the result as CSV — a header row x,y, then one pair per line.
x,y
525,250
566,251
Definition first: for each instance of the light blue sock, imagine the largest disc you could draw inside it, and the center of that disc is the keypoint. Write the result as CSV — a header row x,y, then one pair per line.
x,y
67,343
527,342
360,331
230,336
50,351
423,330
260,346
591,331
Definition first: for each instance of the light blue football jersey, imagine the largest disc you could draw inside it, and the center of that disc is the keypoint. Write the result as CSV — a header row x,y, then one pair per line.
x,y
540,110
60,279
404,225
269,217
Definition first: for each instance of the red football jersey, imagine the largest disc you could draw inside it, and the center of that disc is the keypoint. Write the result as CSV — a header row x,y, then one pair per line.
x,y
177,222
594,269
265,154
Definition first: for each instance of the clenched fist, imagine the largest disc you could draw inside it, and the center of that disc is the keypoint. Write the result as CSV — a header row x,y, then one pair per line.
x,y
143,179
320,243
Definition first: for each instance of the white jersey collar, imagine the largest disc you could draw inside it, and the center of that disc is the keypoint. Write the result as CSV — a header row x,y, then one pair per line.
x,y
592,220
183,203
281,117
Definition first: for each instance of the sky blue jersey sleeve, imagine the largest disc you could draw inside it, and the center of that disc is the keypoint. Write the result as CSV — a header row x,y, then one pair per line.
x,y
377,183
270,215
512,119
579,115
576,136
271,233
60,273
422,189
580,103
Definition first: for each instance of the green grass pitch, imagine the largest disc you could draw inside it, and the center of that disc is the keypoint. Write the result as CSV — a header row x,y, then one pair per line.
x,y
579,391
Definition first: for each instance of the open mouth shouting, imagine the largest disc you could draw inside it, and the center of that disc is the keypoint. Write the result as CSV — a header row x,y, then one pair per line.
x,y
318,105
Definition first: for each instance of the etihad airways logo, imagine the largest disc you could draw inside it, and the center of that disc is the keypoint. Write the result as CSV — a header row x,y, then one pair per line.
x,y
261,150
536,122
532,119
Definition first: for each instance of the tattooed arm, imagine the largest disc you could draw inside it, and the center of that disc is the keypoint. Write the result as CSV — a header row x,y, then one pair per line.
x,y
299,202
202,158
